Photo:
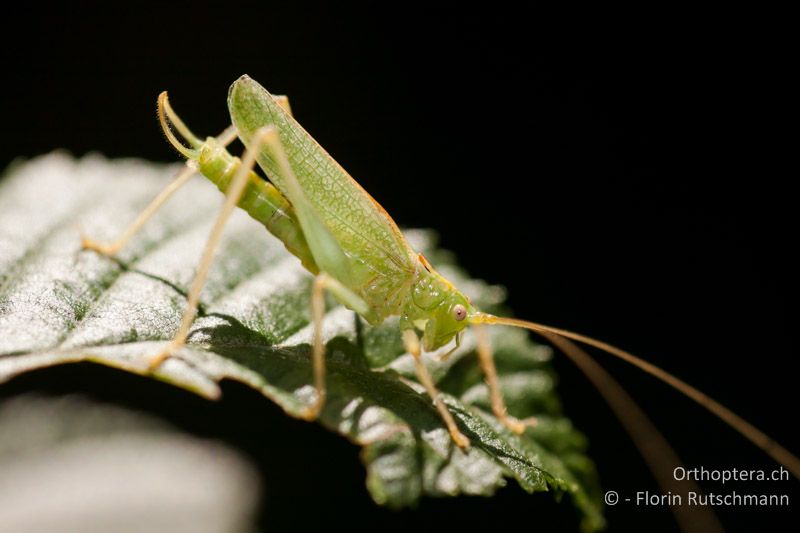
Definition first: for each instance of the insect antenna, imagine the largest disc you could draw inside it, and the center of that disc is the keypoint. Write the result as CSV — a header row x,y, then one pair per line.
x,y
660,457
167,117
745,428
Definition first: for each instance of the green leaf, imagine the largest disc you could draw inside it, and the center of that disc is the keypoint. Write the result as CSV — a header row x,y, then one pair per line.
x,y
59,304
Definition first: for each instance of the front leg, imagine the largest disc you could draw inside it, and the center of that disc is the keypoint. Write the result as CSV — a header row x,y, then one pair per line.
x,y
486,359
411,342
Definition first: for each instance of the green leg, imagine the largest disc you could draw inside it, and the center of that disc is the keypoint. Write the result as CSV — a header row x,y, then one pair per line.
x,y
486,359
111,249
334,266
183,176
411,342
232,197
323,282
325,248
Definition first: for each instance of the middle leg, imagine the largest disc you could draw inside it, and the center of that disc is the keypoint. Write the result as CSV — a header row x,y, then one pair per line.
x,y
324,282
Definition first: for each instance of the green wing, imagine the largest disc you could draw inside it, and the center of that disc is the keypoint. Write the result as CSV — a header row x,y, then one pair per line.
x,y
365,232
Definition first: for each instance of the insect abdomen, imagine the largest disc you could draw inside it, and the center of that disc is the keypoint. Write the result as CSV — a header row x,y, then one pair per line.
x,y
261,200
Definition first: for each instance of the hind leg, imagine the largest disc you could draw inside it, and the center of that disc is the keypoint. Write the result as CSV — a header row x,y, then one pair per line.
x,y
111,249
232,197
181,179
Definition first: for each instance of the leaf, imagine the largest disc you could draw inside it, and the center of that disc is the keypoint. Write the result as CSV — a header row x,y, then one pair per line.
x,y
59,304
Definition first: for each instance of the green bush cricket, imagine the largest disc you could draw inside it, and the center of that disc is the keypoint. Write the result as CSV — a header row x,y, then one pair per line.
x,y
357,253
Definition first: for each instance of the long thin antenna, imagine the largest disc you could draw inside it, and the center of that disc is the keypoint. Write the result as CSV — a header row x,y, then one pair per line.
x,y
654,448
749,431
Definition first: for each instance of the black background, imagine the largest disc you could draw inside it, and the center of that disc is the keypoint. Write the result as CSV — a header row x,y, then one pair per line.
x,y
625,173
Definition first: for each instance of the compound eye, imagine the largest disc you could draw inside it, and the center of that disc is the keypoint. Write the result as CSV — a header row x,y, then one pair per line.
x,y
459,312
